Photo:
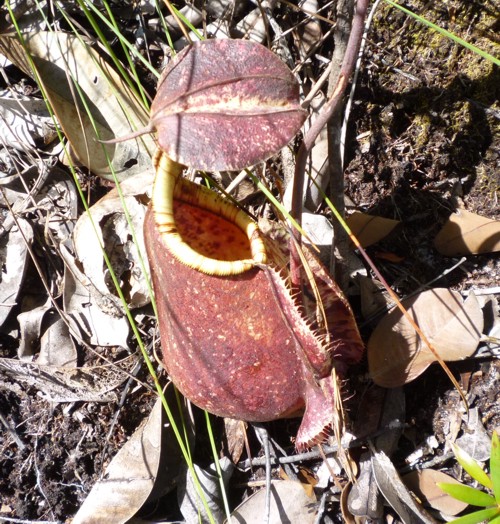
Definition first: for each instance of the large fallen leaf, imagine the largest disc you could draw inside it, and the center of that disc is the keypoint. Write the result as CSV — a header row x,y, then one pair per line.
x,y
396,355
14,255
24,120
423,484
99,317
395,492
129,478
369,229
70,69
113,232
289,503
466,233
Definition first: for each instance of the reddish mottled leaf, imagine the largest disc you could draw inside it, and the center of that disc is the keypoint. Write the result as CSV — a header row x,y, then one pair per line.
x,y
225,105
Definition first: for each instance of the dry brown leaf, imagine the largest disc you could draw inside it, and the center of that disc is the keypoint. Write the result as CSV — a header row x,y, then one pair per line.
x,y
466,233
113,232
396,355
115,109
395,492
129,478
289,503
14,256
369,229
423,484
235,436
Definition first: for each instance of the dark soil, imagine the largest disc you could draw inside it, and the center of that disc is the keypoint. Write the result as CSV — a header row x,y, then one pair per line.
x,y
423,139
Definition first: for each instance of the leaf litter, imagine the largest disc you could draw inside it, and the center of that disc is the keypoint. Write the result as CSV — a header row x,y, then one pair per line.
x,y
92,317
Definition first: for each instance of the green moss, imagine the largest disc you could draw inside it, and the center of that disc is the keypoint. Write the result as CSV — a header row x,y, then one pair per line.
x,y
422,123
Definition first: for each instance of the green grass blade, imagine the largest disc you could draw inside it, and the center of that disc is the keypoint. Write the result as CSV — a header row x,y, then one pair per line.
x,y
447,34
472,466
277,204
479,516
495,466
124,42
217,467
467,494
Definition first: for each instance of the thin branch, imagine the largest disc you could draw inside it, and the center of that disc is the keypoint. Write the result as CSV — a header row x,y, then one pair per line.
x,y
347,68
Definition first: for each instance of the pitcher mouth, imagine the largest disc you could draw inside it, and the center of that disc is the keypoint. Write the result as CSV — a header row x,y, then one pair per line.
x,y
200,228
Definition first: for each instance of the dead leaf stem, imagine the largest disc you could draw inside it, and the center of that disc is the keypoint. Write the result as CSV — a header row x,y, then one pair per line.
x,y
329,109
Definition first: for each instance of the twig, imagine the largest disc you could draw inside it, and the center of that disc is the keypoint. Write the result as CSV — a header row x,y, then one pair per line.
x,y
263,436
355,79
328,110
12,432
340,248
22,521
321,508
483,291
315,454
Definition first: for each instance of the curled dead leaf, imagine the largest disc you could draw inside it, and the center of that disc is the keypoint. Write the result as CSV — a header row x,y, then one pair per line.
x,y
114,233
396,355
